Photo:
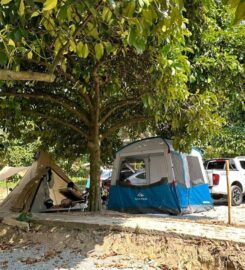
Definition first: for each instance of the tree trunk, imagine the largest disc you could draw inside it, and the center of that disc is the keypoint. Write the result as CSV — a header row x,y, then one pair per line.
x,y
95,162
94,146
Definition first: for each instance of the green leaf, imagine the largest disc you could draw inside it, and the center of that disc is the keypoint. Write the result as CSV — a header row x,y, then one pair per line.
x,y
164,28
35,14
131,36
72,29
106,14
57,45
135,40
64,65
29,55
21,8
11,42
73,46
85,51
5,2
149,15
129,9
92,31
63,13
49,4
90,6
108,47
99,50
82,50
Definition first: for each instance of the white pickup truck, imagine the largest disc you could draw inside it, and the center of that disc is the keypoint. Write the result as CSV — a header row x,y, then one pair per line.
x,y
216,173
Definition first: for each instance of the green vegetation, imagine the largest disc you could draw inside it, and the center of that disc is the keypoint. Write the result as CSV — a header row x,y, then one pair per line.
x,y
218,67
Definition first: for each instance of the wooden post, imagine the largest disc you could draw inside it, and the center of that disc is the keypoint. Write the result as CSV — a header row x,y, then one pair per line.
x,y
227,165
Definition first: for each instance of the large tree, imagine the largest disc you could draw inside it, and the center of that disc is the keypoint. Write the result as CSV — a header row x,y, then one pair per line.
x,y
117,64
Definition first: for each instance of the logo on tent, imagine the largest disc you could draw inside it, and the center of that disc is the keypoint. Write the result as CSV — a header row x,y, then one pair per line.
x,y
140,197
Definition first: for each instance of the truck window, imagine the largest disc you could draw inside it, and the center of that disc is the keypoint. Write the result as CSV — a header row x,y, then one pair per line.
x,y
220,165
242,163
216,165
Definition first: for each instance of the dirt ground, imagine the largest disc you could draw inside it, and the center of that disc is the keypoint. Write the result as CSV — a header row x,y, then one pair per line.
x,y
3,193
88,249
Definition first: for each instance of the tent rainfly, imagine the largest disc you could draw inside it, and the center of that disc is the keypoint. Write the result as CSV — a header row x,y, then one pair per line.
x,y
150,176
7,172
42,181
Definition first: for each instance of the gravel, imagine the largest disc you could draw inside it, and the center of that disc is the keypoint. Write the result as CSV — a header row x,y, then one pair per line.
x,y
219,213
38,258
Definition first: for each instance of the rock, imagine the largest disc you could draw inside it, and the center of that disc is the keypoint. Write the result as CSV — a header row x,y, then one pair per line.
x,y
15,223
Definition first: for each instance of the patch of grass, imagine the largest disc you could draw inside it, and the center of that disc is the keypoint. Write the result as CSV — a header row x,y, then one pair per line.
x,y
137,229
10,184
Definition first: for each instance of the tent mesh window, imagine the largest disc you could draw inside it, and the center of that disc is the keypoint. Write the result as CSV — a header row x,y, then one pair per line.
x,y
195,171
178,168
130,167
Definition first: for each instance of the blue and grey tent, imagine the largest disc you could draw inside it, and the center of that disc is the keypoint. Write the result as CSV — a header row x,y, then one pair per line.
x,y
150,176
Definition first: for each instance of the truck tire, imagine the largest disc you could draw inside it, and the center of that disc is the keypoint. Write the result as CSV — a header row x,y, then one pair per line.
x,y
236,195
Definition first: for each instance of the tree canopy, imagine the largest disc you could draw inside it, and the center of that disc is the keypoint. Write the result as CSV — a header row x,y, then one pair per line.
x,y
218,66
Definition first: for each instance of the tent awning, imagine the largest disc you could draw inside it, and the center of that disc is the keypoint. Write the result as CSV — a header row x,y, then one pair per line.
x,y
7,171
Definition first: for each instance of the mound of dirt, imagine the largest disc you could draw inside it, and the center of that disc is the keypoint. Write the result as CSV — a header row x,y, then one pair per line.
x,y
163,252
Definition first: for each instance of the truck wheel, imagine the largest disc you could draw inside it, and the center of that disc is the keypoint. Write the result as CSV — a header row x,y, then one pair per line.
x,y
236,195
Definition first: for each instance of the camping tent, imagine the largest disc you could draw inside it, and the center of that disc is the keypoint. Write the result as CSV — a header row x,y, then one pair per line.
x,y
42,181
168,181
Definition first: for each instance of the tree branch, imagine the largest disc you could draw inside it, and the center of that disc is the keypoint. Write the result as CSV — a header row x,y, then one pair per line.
x,y
69,125
78,86
55,100
9,75
119,105
126,122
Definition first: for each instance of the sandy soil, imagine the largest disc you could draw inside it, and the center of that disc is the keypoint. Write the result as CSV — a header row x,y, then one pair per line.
x,y
3,193
89,249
